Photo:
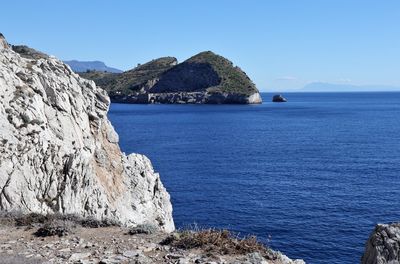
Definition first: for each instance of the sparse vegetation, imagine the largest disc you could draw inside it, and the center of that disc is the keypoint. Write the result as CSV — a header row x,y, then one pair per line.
x,y
217,241
130,81
52,224
55,228
205,71
95,223
213,242
233,79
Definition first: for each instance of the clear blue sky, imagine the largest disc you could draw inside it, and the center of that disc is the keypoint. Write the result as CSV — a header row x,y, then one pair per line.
x,y
281,44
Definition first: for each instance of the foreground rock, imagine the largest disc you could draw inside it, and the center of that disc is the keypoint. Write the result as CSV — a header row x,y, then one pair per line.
x,y
60,154
383,245
116,245
205,78
279,99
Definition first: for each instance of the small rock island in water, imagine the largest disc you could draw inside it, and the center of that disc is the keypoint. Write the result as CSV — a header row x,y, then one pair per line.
x,y
279,99
205,78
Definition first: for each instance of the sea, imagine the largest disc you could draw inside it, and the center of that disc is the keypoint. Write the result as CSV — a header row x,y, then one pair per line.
x,y
310,177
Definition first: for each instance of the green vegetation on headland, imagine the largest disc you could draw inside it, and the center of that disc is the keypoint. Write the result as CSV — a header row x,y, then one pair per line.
x,y
233,79
203,78
131,81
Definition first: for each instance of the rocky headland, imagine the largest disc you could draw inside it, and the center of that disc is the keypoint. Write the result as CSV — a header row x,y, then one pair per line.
x,y
205,78
67,192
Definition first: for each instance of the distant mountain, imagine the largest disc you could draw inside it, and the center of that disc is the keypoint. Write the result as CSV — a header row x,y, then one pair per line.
x,y
331,87
83,66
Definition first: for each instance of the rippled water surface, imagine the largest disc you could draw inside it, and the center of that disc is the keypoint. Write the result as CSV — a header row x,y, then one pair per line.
x,y
310,177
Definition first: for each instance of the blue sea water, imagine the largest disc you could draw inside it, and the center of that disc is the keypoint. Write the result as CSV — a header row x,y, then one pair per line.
x,y
310,177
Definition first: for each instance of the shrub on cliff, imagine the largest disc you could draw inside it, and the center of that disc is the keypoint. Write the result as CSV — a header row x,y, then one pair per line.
x,y
218,241
55,228
52,224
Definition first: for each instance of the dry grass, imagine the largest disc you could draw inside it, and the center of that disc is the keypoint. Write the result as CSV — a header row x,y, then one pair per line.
x,y
218,241
52,224
55,228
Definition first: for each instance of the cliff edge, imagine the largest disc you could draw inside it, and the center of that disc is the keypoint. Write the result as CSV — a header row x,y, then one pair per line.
x,y
59,152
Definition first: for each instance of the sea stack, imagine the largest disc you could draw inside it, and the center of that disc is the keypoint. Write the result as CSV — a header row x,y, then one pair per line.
x,y
206,78
279,99
60,153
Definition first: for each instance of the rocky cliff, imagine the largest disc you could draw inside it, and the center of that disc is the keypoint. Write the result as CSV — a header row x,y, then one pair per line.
x,y
60,154
383,245
205,78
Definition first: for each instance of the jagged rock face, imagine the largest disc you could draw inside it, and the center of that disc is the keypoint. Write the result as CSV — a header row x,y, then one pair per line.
x,y
59,152
383,245
3,42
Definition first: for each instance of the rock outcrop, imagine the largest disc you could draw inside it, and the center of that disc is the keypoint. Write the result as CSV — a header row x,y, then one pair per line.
x,y
60,154
205,78
383,245
28,52
279,99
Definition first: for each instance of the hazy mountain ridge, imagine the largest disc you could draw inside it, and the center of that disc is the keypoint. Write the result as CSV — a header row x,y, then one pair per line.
x,y
83,66
334,87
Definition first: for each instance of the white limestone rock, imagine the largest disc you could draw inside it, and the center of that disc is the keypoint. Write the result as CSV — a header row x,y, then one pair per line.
x,y
59,152
255,98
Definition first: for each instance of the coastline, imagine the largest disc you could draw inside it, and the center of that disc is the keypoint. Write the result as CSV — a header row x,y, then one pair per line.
x,y
22,243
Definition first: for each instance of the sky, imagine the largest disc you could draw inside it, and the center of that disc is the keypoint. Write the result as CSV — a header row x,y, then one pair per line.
x,y
282,45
